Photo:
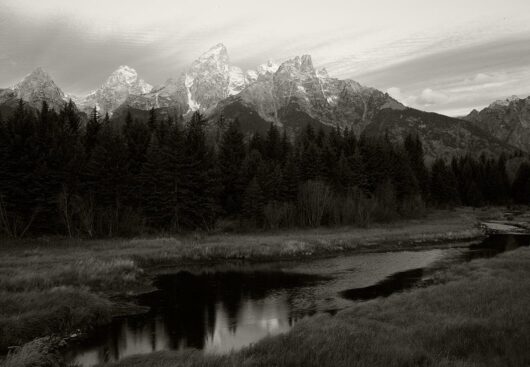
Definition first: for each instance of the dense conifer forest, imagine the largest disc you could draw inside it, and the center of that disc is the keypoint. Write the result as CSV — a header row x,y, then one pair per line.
x,y
61,176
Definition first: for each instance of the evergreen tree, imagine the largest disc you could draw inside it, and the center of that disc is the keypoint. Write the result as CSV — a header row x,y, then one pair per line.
x,y
107,179
521,184
273,145
414,150
92,131
152,122
232,153
137,139
253,203
199,189
443,184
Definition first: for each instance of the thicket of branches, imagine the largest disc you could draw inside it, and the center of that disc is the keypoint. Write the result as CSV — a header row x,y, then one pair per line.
x,y
58,176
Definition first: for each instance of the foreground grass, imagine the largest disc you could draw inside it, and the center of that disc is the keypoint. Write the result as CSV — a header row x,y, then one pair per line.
x,y
55,286
477,315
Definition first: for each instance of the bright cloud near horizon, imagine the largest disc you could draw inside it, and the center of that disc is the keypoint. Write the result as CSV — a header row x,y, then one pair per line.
x,y
447,56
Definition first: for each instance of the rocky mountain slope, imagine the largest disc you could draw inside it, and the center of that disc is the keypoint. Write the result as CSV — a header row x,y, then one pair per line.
x,y
113,93
36,87
209,79
508,120
442,136
297,94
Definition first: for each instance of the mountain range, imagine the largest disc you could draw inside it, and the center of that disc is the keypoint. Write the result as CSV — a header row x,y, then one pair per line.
x,y
290,95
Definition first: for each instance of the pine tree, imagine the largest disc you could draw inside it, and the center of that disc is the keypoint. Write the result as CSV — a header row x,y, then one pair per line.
x,y
443,190
107,178
521,184
92,131
152,122
253,203
137,139
232,153
199,208
273,148
414,150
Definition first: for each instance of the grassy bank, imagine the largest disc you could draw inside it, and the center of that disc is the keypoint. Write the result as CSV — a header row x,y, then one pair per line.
x,y
476,316
54,286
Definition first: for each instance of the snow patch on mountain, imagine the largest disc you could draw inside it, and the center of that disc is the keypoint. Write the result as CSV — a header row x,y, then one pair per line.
x,y
237,80
192,104
119,85
268,68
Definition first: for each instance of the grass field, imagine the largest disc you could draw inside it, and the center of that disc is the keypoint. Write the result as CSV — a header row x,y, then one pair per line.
x,y
55,286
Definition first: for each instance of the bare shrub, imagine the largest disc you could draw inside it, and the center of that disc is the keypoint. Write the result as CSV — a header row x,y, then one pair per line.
x,y
278,214
313,199
413,207
13,224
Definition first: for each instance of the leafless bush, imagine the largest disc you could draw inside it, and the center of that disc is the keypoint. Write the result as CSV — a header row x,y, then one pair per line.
x,y
313,199
14,224
279,214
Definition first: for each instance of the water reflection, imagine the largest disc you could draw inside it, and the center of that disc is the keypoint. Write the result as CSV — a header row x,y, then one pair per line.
x,y
216,312
219,310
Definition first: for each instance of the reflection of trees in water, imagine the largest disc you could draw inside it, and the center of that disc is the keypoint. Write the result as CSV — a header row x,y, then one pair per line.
x,y
394,283
189,304
489,247
496,244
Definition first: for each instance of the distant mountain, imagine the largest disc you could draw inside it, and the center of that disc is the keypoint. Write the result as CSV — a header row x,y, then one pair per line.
x,y
508,120
34,89
442,136
209,79
290,95
297,94
114,92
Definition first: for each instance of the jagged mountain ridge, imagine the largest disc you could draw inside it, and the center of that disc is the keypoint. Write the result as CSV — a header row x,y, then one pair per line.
x,y
36,87
508,120
297,88
290,95
209,79
114,92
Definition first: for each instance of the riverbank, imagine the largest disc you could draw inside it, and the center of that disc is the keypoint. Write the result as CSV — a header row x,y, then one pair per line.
x,y
56,286
475,315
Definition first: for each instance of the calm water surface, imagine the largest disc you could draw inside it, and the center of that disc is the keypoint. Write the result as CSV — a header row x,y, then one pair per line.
x,y
223,308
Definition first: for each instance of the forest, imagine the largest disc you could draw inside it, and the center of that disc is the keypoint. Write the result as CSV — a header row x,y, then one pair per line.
x,y
60,176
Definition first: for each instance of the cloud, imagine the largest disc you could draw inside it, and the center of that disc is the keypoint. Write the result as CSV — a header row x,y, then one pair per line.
x,y
427,97
395,93
431,97
482,78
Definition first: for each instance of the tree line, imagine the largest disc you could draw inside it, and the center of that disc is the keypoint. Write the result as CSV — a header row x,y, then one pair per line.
x,y
62,176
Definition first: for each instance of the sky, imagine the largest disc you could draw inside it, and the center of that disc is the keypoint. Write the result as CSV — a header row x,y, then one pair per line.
x,y
445,56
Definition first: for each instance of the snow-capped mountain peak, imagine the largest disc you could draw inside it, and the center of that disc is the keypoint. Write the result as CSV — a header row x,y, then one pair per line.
x,y
269,67
127,77
119,85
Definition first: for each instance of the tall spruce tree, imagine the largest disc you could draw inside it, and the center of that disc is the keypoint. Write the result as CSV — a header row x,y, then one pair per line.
x,y
521,184
232,153
414,148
